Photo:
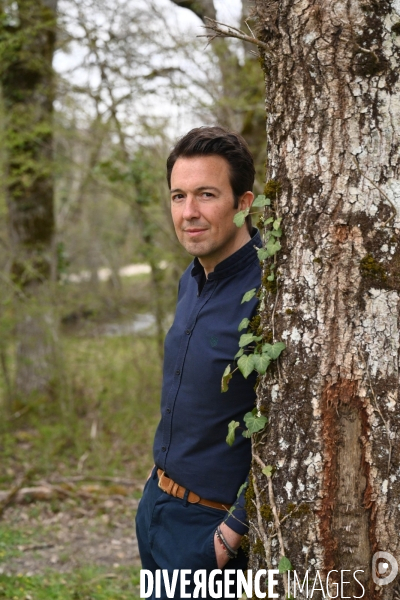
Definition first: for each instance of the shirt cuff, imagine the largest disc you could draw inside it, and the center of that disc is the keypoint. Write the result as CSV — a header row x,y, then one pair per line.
x,y
238,519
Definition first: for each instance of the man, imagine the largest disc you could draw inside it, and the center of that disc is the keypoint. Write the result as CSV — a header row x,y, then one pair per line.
x,y
183,520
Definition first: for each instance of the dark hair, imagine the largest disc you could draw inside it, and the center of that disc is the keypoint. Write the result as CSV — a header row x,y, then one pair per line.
x,y
208,141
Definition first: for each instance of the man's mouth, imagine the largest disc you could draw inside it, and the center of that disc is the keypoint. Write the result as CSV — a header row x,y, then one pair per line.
x,y
194,231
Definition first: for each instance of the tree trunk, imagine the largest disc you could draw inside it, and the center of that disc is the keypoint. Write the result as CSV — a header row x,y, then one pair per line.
x,y
27,80
333,174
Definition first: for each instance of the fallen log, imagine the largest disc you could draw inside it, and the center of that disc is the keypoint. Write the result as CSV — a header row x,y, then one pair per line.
x,y
46,491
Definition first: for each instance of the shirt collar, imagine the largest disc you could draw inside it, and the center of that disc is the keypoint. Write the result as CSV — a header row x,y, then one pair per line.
x,y
234,263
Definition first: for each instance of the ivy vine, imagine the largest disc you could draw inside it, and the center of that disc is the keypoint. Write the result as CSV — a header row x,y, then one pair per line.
x,y
253,354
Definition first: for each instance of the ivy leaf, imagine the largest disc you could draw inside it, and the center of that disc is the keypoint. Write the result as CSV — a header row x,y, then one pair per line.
x,y
254,423
266,348
244,323
276,350
273,247
267,470
246,433
230,438
246,364
261,363
242,487
262,254
271,277
284,565
247,338
226,377
239,353
268,221
277,233
261,201
277,223
249,295
240,217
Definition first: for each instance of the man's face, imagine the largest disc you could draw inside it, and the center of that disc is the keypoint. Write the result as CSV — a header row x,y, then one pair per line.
x,y
202,207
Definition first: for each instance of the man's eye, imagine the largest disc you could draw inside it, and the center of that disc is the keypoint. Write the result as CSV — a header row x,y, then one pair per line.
x,y
177,197
208,195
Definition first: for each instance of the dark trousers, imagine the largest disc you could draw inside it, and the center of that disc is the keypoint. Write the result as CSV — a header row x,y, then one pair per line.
x,y
174,534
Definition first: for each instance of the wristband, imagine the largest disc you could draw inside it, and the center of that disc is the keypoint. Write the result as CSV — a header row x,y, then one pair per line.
x,y
228,549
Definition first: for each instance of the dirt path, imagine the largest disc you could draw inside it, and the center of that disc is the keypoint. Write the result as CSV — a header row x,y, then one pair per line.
x,y
62,536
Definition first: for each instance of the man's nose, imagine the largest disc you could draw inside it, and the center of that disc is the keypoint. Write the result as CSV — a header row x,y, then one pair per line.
x,y
191,208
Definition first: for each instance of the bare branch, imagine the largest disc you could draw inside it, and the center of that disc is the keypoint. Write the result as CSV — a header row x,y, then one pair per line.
x,y
228,31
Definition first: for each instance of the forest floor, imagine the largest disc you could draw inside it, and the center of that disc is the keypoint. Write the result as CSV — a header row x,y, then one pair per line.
x,y
70,551
94,431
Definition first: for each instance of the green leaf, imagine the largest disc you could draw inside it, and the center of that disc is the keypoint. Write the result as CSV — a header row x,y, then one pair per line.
x,y
246,433
240,217
254,423
226,377
266,348
249,295
242,487
261,201
230,438
277,233
276,350
273,247
261,363
268,221
247,338
277,223
244,323
262,253
239,353
271,277
246,364
267,470
284,565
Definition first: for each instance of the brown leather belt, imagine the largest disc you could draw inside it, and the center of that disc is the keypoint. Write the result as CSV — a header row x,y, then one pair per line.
x,y
177,491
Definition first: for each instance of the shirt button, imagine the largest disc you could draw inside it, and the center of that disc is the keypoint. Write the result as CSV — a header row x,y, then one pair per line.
x,y
163,448
168,410
177,372
188,332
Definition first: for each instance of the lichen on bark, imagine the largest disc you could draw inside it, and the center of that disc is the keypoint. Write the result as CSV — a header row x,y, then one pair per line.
x,y
332,125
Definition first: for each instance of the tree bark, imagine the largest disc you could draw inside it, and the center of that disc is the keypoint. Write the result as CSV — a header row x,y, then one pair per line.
x,y
27,80
333,174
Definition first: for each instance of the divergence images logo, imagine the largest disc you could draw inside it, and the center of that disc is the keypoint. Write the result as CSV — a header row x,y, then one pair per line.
x,y
384,568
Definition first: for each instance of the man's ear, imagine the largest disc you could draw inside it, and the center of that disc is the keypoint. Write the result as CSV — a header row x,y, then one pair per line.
x,y
246,200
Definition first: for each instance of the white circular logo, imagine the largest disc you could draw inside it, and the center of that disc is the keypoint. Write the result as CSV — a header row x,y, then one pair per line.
x,y
386,570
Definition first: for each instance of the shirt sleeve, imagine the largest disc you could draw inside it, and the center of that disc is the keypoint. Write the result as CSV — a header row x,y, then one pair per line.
x,y
237,519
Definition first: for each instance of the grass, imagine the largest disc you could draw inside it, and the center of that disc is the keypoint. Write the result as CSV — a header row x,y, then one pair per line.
x,y
103,419
83,584
100,420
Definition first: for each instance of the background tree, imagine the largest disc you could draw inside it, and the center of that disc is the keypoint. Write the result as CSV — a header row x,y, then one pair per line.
x,y
238,100
27,39
326,482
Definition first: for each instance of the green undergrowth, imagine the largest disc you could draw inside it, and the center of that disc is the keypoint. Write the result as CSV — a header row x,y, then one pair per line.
x,y
101,419
84,584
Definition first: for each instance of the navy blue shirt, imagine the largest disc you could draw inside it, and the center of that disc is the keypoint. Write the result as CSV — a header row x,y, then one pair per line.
x,y
190,442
